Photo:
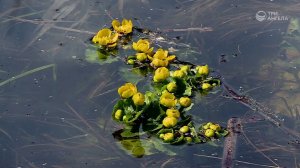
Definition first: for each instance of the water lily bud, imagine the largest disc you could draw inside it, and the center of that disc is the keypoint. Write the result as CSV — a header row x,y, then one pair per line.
x,y
130,62
173,113
185,68
168,99
179,74
206,86
184,129
209,133
118,114
161,136
185,101
138,99
168,137
141,56
188,139
202,70
161,74
171,87
169,122
127,90
215,127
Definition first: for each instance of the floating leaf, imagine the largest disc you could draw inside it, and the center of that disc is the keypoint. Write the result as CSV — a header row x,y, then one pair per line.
x,y
100,56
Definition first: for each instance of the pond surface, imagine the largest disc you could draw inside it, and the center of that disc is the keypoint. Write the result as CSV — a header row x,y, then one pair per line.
x,y
56,107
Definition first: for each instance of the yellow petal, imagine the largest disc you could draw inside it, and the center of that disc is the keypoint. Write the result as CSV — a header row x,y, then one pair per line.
x,y
171,58
134,46
115,23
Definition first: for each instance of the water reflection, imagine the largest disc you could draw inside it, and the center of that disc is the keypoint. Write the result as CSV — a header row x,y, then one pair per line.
x,y
67,122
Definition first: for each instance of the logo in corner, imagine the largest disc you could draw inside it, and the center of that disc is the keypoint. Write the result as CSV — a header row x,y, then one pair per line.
x,y
261,16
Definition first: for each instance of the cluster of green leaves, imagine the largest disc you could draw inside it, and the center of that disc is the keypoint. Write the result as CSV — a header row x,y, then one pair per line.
x,y
162,111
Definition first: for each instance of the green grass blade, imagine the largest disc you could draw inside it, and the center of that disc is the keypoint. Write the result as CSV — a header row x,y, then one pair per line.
x,y
29,73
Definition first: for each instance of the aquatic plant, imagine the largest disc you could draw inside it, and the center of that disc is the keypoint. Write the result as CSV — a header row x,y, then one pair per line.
x,y
162,110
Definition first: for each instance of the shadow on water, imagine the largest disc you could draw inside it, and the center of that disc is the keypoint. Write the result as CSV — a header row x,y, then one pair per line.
x,y
66,121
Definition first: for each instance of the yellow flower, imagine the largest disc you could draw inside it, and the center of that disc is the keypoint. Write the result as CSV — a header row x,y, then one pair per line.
x,y
169,122
141,56
184,129
161,74
207,125
167,99
171,87
143,45
215,127
206,86
163,54
138,99
188,139
130,62
185,101
185,68
159,62
161,58
127,90
168,137
124,28
106,37
118,114
209,133
173,113
202,70
179,74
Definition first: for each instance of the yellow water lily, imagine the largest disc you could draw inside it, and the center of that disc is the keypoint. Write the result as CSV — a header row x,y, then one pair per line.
x,y
206,86
202,70
127,90
169,122
215,127
123,28
161,74
173,113
185,101
184,129
209,133
172,87
143,45
168,99
141,56
118,114
161,58
179,74
138,99
185,68
168,137
159,62
106,37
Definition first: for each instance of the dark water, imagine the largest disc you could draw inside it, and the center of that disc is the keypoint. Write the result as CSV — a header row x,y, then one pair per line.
x,y
60,116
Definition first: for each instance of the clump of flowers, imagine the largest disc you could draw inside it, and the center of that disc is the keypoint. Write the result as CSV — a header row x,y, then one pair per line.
x,y
108,38
163,110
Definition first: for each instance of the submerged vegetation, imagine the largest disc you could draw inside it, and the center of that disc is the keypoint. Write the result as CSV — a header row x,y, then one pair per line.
x,y
162,110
